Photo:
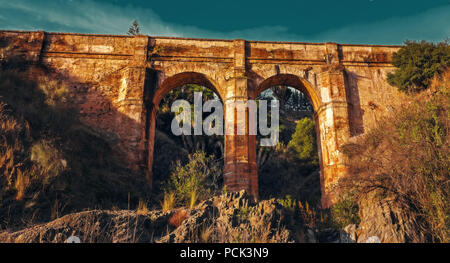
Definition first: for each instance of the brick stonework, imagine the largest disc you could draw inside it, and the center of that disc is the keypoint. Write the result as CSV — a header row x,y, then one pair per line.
x,y
117,82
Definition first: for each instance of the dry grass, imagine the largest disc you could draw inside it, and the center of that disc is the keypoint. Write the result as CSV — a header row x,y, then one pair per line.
x,y
48,157
259,233
142,208
21,184
169,202
206,234
193,199
308,215
13,163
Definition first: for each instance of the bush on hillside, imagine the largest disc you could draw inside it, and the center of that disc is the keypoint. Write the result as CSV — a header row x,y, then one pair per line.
x,y
196,180
407,157
417,63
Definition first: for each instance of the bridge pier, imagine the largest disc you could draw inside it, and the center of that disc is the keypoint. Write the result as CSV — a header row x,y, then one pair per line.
x,y
333,130
240,170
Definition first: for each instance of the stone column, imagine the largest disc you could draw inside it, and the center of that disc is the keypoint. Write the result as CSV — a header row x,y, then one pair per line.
x,y
334,130
240,171
130,123
130,103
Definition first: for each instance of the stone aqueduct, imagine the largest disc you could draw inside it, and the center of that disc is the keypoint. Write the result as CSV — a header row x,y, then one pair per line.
x,y
117,82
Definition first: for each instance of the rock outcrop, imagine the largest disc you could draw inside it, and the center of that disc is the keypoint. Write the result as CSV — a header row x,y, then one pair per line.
x,y
387,221
226,218
96,226
231,217
234,217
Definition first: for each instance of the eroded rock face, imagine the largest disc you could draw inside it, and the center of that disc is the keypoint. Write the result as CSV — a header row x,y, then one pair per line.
x,y
97,226
231,217
348,234
385,220
235,217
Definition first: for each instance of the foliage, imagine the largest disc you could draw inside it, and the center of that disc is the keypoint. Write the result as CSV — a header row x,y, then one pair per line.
x,y
294,158
290,99
199,177
303,141
406,157
169,148
134,29
288,203
309,216
193,199
185,92
48,157
417,63
243,212
345,212
283,167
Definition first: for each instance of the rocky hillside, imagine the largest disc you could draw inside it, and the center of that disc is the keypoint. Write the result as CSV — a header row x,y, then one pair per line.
x,y
231,217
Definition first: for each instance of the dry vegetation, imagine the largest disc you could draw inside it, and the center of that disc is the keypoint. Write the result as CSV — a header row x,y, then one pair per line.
x,y
52,164
406,158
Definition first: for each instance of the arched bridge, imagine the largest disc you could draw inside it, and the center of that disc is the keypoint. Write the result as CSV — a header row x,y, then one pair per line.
x,y
117,82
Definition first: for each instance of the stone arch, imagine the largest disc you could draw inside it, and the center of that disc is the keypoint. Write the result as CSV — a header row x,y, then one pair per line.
x,y
307,88
161,90
181,79
290,80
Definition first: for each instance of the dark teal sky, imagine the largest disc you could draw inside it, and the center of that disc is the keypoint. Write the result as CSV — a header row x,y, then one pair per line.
x,y
344,21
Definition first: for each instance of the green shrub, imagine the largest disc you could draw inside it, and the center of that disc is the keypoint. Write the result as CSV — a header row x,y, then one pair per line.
x,y
303,141
48,157
345,212
288,203
243,213
417,63
197,179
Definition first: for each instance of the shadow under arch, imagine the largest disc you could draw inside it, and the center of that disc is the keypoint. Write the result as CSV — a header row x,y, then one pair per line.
x,y
293,81
306,88
152,105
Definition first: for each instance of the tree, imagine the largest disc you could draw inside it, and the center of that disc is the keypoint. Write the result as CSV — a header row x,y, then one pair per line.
x,y
303,141
417,63
134,28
